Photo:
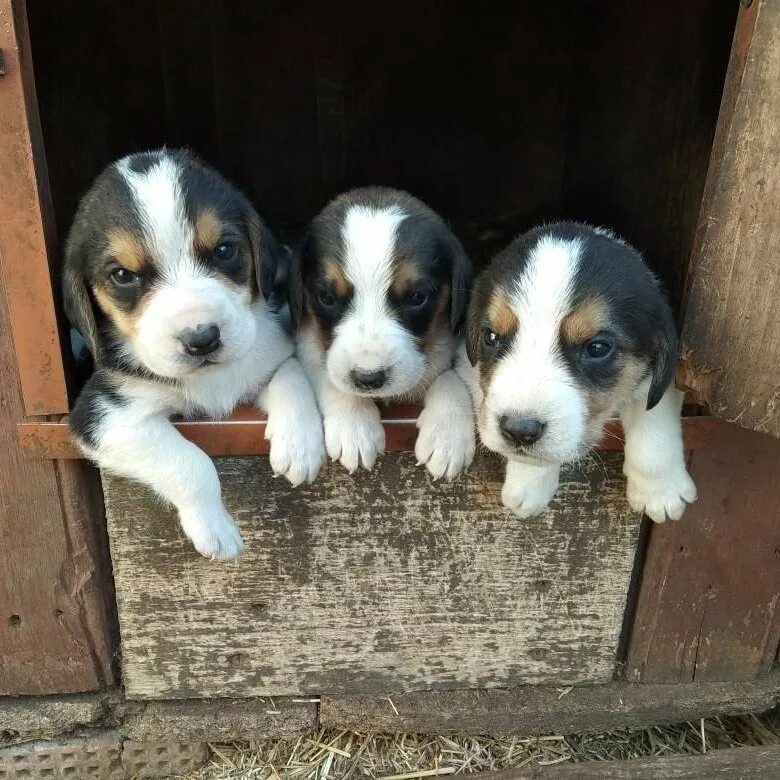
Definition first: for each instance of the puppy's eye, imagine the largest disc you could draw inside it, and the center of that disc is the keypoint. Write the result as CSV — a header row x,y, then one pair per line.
x,y
599,349
418,298
125,279
491,339
225,251
326,297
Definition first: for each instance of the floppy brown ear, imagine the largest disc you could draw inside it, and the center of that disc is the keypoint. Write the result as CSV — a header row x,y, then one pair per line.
x,y
79,307
461,283
267,254
664,363
473,326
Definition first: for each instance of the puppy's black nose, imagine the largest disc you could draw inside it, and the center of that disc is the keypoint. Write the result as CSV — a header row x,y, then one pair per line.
x,y
521,430
200,340
368,380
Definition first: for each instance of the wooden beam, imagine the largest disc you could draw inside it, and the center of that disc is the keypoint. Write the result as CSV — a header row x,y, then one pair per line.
x,y
243,433
743,763
731,333
26,224
535,710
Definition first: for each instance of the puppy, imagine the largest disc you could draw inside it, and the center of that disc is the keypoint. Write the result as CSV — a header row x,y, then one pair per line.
x,y
568,327
166,274
378,290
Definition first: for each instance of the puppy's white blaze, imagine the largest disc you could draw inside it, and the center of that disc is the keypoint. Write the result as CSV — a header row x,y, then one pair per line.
x,y
160,203
369,237
532,379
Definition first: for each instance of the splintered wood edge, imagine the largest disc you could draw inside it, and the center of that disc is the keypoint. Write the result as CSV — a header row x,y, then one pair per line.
x,y
243,433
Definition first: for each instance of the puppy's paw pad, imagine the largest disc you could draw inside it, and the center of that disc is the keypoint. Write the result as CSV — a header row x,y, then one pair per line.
x,y
529,497
212,532
297,447
445,446
660,497
356,438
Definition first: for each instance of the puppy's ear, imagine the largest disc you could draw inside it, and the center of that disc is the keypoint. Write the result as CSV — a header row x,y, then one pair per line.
x,y
473,327
78,305
267,254
664,363
460,282
295,284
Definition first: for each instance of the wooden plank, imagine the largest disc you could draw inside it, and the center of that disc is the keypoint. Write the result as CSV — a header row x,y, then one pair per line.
x,y
26,227
540,709
374,583
709,601
242,433
731,337
55,632
743,762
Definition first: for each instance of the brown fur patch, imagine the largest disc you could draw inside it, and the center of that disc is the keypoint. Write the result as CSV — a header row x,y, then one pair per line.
x,y
405,274
609,403
127,250
501,316
333,273
208,230
125,321
585,321
439,326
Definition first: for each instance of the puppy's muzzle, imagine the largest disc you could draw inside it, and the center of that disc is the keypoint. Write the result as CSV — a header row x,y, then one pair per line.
x,y
368,380
521,431
201,340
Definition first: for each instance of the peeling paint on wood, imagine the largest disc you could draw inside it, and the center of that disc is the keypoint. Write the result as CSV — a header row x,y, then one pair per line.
x,y
374,583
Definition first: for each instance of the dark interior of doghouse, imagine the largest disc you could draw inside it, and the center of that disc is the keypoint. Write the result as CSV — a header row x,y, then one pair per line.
x,y
497,115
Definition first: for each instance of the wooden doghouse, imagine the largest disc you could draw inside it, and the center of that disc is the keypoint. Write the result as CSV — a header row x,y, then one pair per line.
x,y
659,119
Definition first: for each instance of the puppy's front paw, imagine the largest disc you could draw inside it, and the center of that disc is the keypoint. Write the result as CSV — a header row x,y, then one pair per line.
x,y
354,436
445,445
660,495
529,489
297,445
212,531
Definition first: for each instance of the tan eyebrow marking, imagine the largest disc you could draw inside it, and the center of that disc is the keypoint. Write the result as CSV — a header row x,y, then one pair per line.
x,y
333,273
501,316
127,250
405,274
208,230
585,321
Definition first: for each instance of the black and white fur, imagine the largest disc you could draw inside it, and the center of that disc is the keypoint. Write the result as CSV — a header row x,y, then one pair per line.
x,y
566,328
378,290
201,259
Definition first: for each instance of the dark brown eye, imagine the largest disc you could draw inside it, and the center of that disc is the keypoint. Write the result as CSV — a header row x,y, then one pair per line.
x,y
491,339
418,298
225,251
125,279
326,298
599,349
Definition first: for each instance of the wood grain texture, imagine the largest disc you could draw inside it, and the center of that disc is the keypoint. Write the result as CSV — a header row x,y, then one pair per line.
x,y
540,709
373,583
731,335
26,224
55,626
709,602
729,763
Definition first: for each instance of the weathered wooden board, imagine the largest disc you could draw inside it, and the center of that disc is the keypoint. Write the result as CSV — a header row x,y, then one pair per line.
x,y
709,602
374,583
731,336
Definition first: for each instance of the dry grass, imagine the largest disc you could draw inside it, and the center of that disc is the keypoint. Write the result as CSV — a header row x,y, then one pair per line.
x,y
332,755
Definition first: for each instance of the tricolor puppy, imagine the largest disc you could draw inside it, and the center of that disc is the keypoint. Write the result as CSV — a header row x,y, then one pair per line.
x,y
167,271
378,290
566,328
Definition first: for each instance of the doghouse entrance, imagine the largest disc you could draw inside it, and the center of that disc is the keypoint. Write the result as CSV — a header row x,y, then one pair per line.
x,y
497,115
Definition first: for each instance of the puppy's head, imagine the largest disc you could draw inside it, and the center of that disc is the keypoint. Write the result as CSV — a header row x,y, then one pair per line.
x,y
383,283
566,326
162,264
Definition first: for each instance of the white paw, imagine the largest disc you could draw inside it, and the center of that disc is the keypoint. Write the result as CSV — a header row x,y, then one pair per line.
x,y
297,445
445,445
660,495
528,490
355,436
212,531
